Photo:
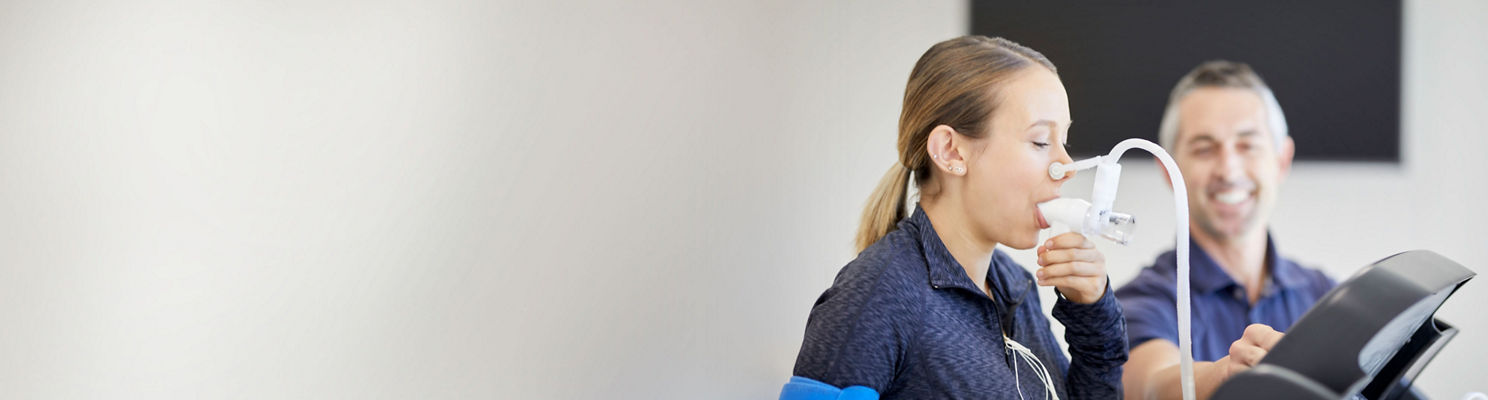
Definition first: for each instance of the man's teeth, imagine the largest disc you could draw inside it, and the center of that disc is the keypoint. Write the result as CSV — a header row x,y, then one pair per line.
x,y
1233,196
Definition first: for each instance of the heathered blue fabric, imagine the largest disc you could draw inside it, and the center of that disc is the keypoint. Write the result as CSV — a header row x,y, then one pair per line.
x,y
1221,310
905,320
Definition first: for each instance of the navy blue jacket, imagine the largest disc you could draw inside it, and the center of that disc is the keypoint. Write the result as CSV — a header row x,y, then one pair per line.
x,y
905,320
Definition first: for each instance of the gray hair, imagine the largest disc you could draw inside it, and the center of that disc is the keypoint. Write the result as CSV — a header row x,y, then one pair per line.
x,y
1224,74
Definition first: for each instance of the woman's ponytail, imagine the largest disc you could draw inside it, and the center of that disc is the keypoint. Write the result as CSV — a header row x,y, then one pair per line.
x,y
885,207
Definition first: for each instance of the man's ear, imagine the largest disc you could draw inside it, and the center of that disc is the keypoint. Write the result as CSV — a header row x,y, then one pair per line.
x,y
944,146
1285,154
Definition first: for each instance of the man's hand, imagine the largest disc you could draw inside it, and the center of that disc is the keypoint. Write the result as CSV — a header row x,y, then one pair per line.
x,y
1153,371
1248,351
1073,265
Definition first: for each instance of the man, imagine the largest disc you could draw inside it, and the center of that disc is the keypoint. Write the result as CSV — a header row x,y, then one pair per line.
x,y
1228,136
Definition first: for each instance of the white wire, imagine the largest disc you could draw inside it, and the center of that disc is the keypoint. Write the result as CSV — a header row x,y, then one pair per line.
x,y
1023,353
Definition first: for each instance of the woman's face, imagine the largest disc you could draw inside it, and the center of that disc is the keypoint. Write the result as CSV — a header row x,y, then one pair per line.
x,y
1009,176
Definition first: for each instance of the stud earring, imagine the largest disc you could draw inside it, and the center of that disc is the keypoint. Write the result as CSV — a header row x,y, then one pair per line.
x,y
958,169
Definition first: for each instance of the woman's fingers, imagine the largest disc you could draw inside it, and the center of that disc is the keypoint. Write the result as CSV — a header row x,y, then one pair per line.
x,y
1073,265
1053,257
1069,240
1077,284
1079,289
1078,268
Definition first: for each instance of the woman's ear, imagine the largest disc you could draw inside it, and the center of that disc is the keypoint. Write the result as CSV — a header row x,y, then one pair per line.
x,y
944,148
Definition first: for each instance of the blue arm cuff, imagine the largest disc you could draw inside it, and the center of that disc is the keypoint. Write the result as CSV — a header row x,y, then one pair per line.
x,y
802,388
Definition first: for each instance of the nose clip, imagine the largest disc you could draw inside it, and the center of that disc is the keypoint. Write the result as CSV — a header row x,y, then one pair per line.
x,y
1058,170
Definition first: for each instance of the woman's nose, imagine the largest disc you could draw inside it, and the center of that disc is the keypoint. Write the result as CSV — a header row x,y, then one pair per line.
x,y
1062,156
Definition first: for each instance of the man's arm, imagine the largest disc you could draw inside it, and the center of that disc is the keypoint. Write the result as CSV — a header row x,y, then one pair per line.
x,y
1152,371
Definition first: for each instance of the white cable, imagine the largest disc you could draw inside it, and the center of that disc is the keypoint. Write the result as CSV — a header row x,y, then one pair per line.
x,y
1022,352
1017,382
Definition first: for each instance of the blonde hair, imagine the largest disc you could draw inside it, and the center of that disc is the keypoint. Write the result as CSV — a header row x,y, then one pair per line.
x,y
953,84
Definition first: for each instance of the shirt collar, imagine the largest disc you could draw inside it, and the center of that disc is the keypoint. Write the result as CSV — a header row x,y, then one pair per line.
x,y
946,272
1285,272
943,268
1207,276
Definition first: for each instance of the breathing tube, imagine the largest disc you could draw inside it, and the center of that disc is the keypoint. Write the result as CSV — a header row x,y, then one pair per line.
x,y
1095,218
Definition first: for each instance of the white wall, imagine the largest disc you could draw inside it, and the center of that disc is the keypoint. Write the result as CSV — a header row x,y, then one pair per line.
x,y
533,200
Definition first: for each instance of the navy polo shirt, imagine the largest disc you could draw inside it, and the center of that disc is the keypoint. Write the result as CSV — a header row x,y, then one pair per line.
x,y
1221,310
905,320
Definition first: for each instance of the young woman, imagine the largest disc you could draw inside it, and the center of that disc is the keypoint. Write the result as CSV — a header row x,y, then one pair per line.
x,y
930,308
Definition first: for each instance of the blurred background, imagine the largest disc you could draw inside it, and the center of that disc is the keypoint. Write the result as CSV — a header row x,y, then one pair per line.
x,y
535,200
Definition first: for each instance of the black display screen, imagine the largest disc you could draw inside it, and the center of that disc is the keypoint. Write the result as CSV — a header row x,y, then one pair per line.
x,y
1334,65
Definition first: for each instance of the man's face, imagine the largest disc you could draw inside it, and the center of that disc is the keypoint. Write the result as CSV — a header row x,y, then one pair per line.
x,y
1229,161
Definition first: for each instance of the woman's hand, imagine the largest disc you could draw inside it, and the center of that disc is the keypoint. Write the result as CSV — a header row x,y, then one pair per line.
x,y
1072,264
